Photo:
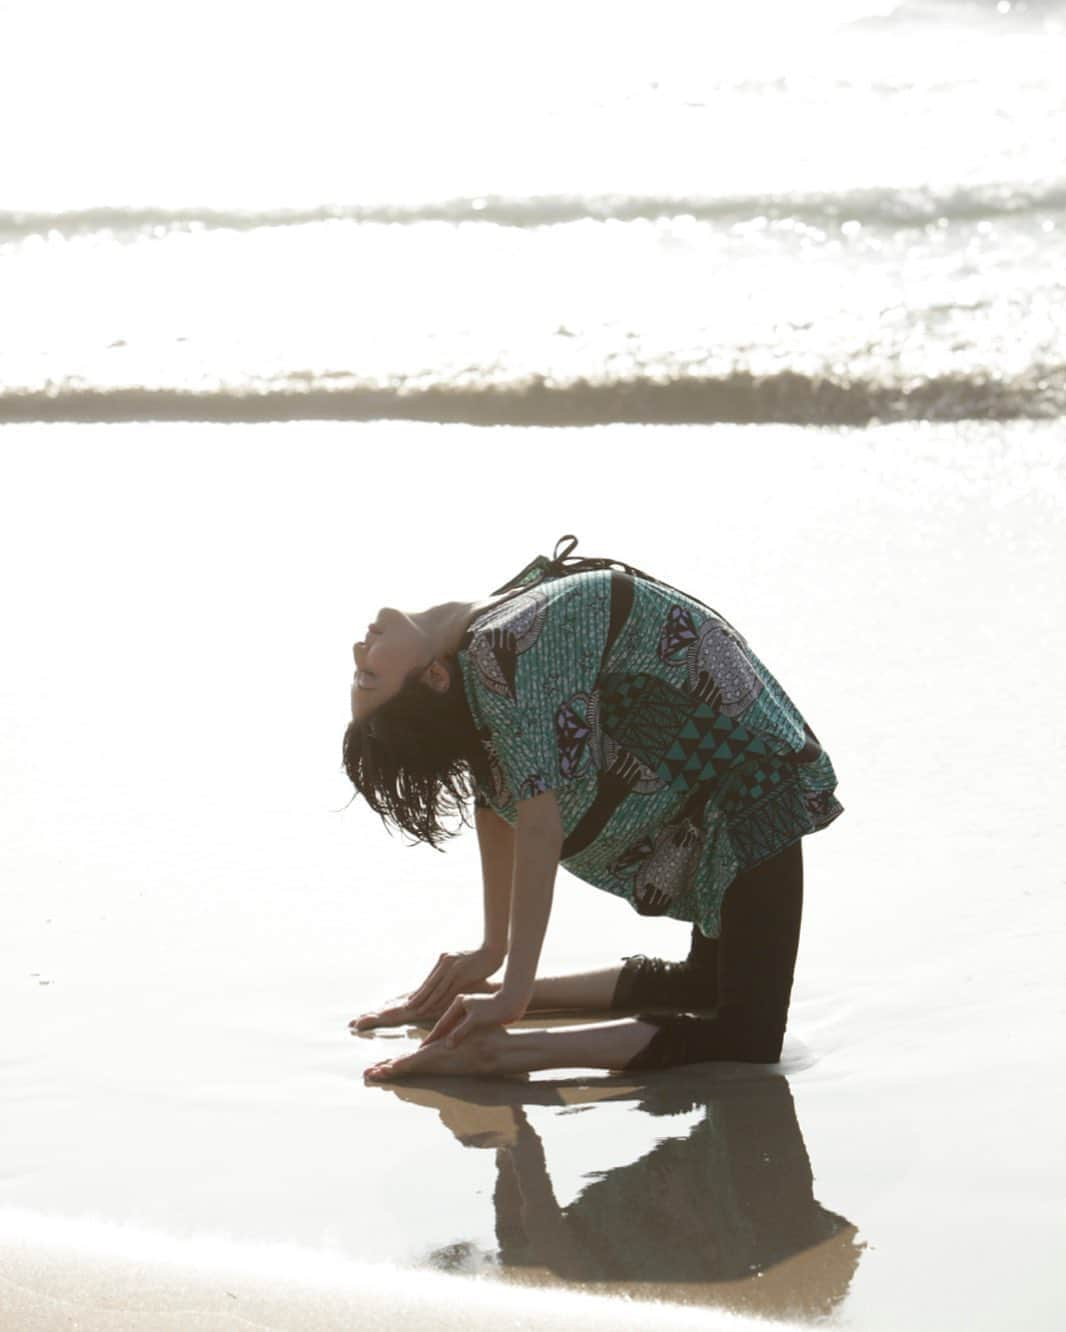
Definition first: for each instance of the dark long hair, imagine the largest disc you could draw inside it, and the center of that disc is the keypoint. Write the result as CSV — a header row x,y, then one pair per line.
x,y
417,757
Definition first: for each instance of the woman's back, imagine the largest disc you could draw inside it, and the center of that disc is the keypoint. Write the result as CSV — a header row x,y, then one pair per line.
x,y
677,759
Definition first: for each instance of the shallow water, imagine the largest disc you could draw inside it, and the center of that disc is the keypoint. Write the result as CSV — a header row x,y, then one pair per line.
x,y
835,212
190,923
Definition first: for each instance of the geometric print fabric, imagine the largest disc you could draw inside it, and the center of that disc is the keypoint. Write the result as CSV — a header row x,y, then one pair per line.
x,y
758,790
707,746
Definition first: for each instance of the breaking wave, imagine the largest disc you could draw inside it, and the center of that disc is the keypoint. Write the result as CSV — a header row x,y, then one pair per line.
x,y
884,207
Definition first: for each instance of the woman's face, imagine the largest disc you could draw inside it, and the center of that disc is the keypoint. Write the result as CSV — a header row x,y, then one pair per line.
x,y
393,648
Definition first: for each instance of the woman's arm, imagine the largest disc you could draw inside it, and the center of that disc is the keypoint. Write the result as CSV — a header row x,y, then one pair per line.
x,y
538,842
456,972
496,841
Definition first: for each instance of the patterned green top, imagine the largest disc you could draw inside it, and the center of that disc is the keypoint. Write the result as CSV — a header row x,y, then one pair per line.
x,y
676,758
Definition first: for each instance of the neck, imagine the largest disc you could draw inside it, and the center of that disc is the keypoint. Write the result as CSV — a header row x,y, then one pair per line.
x,y
447,623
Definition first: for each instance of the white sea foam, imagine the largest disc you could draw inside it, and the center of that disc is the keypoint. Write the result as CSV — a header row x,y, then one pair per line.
x,y
827,213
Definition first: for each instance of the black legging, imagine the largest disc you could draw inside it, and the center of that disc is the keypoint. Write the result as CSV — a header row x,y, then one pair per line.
x,y
745,975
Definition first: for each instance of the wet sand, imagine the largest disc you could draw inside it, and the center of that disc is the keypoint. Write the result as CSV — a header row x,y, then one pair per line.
x,y
190,923
787,397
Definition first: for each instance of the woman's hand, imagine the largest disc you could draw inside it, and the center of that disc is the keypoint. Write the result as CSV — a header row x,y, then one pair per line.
x,y
453,973
469,1013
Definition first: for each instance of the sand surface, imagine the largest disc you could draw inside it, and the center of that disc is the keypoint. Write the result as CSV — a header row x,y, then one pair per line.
x,y
189,923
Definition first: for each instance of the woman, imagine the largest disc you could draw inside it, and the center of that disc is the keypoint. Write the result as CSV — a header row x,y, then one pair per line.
x,y
602,720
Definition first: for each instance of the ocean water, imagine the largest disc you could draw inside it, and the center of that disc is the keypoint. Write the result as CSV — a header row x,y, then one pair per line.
x,y
845,211
800,269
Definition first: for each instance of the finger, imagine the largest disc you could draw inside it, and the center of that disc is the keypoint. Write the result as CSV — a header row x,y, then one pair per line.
x,y
440,997
384,1017
365,1020
430,980
454,1015
461,1032
444,1025
434,996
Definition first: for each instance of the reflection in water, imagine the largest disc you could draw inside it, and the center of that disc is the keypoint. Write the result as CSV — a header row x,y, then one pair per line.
x,y
726,1215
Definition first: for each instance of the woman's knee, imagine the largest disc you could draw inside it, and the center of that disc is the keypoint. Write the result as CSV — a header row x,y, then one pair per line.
x,y
649,981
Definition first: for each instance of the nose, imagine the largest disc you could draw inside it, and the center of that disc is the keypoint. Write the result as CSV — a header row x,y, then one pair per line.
x,y
357,649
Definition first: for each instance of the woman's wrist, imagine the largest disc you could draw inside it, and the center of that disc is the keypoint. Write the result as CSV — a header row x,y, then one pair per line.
x,y
513,1007
515,993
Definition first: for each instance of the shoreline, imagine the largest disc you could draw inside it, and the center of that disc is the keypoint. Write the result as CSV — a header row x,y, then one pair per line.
x,y
109,1279
740,399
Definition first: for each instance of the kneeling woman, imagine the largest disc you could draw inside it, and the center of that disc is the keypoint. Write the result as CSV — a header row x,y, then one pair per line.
x,y
602,720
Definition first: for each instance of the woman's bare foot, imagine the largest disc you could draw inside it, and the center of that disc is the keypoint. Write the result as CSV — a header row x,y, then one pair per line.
x,y
590,991
480,1053
497,1050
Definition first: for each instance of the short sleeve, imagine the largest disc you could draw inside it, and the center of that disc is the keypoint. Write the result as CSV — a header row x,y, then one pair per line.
x,y
530,672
